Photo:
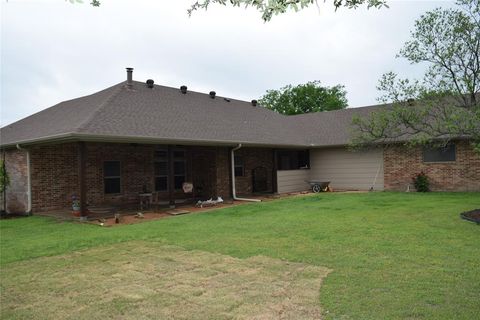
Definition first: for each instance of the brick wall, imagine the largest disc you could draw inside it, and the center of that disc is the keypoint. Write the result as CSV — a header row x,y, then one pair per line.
x,y
253,158
55,173
54,176
136,168
17,192
401,164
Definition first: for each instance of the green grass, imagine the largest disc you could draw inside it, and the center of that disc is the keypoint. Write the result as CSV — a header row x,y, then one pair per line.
x,y
393,255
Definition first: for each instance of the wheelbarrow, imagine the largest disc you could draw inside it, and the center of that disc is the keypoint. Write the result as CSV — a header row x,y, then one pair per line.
x,y
319,186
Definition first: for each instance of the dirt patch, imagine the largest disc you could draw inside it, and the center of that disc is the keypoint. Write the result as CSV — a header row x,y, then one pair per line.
x,y
139,280
473,215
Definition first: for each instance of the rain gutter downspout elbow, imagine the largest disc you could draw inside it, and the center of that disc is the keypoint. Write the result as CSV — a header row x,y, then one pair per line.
x,y
234,193
29,184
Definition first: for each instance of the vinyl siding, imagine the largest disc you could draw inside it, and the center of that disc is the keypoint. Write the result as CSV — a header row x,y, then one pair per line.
x,y
292,180
347,170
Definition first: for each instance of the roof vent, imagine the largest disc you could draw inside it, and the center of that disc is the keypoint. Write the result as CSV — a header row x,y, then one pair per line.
x,y
226,99
129,77
254,103
150,83
212,94
183,89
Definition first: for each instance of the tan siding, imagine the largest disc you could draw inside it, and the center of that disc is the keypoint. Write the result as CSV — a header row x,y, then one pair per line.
x,y
292,180
347,170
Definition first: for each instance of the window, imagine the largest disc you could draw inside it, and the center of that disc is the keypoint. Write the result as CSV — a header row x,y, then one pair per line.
x,y
160,168
442,154
293,159
179,168
239,167
111,177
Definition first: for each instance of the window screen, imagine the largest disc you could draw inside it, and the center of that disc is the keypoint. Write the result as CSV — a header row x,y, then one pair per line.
x,y
293,159
160,168
179,168
239,167
111,176
442,154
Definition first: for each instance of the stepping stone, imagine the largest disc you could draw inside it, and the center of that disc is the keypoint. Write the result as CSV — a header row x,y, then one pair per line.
x,y
176,212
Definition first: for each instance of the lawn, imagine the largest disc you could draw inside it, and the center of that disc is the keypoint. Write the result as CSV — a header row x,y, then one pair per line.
x,y
389,255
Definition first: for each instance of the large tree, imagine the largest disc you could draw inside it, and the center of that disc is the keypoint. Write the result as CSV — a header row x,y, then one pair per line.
x,y
269,8
305,98
445,104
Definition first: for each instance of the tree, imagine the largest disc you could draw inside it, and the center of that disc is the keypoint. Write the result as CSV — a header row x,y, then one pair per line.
x,y
305,98
447,100
269,8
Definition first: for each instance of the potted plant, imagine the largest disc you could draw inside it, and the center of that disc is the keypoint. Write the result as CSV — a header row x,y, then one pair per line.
x,y
76,209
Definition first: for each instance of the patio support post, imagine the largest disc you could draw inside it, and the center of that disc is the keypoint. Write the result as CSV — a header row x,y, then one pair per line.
x,y
171,178
274,173
82,159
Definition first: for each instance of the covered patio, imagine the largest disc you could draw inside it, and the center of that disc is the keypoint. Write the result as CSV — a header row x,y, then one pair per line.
x,y
106,178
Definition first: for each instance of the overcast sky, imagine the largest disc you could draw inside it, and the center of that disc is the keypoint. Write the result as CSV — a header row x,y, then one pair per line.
x,y
52,50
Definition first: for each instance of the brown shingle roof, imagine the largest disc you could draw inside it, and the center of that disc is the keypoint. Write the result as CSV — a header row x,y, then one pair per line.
x,y
164,114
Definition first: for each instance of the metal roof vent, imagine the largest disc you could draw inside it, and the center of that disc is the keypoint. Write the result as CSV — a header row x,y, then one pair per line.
x,y
129,77
226,99
150,83
254,103
212,94
183,89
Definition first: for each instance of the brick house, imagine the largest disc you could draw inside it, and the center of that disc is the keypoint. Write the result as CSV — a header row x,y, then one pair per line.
x,y
132,138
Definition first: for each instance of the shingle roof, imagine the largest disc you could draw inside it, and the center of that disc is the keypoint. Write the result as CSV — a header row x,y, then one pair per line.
x,y
139,113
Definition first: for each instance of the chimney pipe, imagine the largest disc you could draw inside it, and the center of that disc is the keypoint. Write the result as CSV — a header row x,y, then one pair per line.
x,y
212,94
183,89
129,77
254,103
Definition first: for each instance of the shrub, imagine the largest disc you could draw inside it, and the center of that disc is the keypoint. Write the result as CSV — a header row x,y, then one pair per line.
x,y
4,178
421,183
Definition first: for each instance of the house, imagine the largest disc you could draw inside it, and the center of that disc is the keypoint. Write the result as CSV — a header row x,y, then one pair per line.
x,y
134,137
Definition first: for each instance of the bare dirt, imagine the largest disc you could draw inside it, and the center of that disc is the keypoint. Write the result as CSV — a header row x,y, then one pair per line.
x,y
473,215
144,280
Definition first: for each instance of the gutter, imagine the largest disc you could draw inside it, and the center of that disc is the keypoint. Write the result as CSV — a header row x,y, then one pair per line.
x,y
72,136
234,194
29,184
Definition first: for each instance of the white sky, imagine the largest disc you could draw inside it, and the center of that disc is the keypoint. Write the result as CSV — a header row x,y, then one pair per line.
x,y
52,50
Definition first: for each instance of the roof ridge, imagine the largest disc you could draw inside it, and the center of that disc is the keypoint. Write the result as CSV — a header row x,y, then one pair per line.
x,y
99,107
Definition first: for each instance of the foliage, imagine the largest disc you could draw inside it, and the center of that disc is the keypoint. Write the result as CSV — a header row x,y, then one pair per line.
x,y
4,178
445,103
411,249
75,201
305,98
95,3
270,8
421,182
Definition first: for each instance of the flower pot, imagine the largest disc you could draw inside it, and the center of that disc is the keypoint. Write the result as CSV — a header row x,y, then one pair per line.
x,y
76,211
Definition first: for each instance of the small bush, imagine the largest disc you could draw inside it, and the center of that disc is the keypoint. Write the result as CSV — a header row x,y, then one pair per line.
x,y
421,183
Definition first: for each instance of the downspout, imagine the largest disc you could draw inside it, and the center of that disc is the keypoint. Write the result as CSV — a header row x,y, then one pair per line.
x,y
29,185
234,194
